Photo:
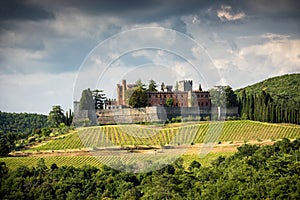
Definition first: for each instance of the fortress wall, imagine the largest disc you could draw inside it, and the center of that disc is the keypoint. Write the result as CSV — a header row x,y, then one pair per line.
x,y
148,114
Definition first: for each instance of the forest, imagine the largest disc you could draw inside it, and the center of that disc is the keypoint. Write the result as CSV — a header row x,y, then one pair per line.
x,y
274,100
20,129
253,172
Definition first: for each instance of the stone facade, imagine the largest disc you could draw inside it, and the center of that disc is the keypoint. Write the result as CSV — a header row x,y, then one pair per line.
x,y
183,97
149,114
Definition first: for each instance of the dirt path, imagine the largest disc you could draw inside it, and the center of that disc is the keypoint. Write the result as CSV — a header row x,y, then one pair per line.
x,y
188,149
223,147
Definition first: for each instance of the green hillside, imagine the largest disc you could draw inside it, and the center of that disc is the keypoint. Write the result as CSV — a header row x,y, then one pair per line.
x,y
283,89
242,130
275,100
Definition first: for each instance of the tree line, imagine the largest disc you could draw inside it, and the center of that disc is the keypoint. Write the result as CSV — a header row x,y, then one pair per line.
x,y
253,172
262,107
20,129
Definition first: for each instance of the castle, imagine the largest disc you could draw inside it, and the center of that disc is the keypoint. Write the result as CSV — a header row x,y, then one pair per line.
x,y
183,96
186,103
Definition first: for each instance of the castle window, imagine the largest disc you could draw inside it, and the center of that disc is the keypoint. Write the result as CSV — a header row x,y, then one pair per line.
x,y
201,103
201,95
206,103
156,96
198,95
206,95
171,96
165,96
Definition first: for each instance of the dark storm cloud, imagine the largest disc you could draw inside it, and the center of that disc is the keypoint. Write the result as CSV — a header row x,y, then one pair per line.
x,y
22,10
136,10
140,11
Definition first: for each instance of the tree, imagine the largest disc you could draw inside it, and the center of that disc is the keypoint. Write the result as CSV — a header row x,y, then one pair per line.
x,y
169,102
176,86
3,170
139,84
152,86
86,100
99,99
231,98
217,95
56,116
162,86
69,118
194,164
223,96
4,145
137,97
200,88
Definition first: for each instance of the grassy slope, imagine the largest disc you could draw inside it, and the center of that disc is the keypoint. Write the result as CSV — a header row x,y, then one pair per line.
x,y
282,89
231,131
124,135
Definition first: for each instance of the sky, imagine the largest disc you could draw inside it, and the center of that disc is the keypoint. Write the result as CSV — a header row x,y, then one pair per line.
x,y
51,50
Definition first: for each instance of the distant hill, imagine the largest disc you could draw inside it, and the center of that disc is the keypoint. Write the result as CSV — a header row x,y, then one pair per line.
x,y
283,89
275,99
21,123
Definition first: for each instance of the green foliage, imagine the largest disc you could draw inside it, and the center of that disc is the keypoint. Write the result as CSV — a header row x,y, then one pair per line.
x,y
4,145
21,123
152,86
18,126
69,118
194,164
169,102
274,100
268,172
56,116
223,96
283,89
137,97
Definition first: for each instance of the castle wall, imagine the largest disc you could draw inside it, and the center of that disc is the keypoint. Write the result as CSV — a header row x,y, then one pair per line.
x,y
148,114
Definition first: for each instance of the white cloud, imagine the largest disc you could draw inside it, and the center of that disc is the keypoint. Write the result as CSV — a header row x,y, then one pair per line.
x,y
226,14
282,55
273,36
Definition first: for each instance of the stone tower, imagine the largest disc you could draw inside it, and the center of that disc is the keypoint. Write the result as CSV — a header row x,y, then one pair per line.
x,y
186,85
124,87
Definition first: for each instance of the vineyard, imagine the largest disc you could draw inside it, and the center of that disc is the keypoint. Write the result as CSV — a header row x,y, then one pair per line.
x,y
76,161
71,141
80,161
140,136
119,135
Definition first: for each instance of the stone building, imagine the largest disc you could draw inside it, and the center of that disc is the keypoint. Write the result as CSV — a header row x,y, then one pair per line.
x,y
183,97
121,92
